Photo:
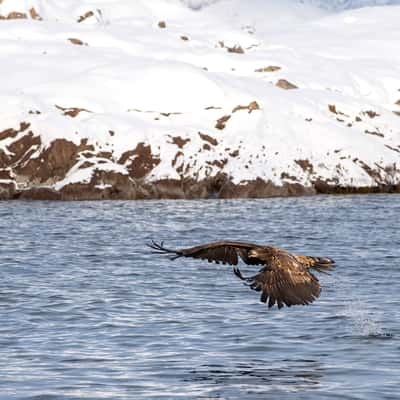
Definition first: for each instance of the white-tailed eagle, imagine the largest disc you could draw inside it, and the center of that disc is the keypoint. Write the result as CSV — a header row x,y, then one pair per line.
x,y
284,279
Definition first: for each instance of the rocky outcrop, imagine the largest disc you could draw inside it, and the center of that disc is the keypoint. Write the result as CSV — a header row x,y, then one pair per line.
x,y
284,84
7,190
80,170
29,170
185,107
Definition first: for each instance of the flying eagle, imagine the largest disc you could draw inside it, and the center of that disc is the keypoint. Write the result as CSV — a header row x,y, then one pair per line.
x,y
284,278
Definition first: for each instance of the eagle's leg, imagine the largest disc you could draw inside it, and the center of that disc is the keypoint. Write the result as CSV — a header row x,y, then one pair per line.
x,y
238,273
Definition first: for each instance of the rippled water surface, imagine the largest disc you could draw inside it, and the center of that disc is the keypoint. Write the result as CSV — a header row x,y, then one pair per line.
x,y
87,312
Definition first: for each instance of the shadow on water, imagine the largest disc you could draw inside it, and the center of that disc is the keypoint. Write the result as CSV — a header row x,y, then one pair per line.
x,y
292,375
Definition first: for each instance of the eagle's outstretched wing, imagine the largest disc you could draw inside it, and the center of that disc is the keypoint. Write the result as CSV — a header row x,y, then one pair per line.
x,y
284,280
224,252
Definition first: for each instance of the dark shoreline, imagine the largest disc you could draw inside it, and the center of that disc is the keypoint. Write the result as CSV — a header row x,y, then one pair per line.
x,y
179,190
26,178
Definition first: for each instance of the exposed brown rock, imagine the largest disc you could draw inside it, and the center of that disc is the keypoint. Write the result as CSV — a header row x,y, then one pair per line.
x,y
179,141
125,157
167,114
175,160
213,108
208,139
392,148
371,114
305,165
105,154
87,154
207,188
140,161
259,188
7,190
195,190
4,159
373,173
34,14
284,84
112,185
117,186
71,111
14,15
39,193
251,107
86,164
5,174
54,162
323,187
168,189
332,108
221,123
23,126
185,38
218,163
22,148
10,132
374,133
285,175
85,16
235,49
270,68
162,24
78,42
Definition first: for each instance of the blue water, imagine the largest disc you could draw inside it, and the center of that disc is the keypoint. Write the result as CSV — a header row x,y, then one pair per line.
x,y
87,312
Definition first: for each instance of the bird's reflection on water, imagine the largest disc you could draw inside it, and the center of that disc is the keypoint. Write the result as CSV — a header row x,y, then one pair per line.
x,y
292,375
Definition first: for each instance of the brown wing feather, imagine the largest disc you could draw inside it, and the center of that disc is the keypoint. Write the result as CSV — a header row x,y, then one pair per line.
x,y
224,252
285,281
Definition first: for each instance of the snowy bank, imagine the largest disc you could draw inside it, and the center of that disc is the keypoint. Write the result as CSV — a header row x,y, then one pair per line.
x,y
185,99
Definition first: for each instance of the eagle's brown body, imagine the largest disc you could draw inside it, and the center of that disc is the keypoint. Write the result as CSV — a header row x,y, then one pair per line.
x,y
284,279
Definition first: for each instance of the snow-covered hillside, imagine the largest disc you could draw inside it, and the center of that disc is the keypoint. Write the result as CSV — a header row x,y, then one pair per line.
x,y
167,98
348,4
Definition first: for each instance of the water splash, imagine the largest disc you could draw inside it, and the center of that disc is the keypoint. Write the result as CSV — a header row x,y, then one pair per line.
x,y
363,322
